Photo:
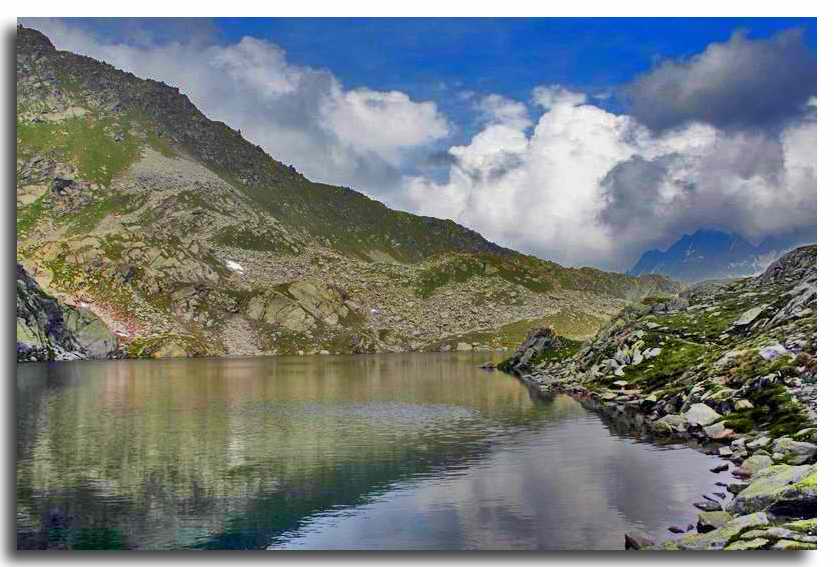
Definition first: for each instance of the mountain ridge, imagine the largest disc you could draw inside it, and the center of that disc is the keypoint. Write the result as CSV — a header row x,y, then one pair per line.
x,y
185,239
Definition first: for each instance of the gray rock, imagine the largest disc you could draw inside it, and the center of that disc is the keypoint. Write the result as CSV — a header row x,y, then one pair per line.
x,y
781,489
759,443
652,352
701,415
773,351
717,431
749,316
670,424
638,540
747,545
754,464
795,452
720,537
790,545
708,521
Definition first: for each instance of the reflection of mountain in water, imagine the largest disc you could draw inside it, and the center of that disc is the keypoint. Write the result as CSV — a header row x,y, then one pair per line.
x,y
231,453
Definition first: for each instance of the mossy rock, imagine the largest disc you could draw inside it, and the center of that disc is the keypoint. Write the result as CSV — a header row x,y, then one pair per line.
x,y
782,490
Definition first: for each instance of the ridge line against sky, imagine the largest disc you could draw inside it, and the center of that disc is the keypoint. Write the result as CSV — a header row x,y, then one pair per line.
x,y
582,141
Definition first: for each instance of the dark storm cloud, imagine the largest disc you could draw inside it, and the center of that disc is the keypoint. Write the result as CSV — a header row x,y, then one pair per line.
x,y
630,191
737,84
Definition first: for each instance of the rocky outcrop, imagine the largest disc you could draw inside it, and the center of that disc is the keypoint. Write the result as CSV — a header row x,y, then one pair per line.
x,y
730,365
537,341
49,330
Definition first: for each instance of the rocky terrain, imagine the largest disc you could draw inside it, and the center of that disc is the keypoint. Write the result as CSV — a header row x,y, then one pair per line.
x,y
186,240
47,330
731,366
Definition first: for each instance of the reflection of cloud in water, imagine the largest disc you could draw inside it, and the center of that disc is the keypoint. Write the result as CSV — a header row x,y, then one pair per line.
x,y
569,486
392,414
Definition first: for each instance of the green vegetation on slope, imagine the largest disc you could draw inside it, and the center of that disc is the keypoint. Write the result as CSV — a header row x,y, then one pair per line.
x,y
100,147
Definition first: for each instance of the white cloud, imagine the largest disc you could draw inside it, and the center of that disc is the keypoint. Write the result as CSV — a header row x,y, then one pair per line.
x,y
551,96
301,116
383,123
587,186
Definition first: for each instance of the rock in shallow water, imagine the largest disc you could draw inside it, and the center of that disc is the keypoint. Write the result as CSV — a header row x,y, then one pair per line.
x,y
708,521
638,540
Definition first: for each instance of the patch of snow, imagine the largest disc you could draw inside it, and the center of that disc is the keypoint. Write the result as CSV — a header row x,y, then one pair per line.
x,y
232,265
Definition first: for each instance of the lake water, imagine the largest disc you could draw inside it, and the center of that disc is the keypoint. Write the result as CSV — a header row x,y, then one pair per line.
x,y
412,451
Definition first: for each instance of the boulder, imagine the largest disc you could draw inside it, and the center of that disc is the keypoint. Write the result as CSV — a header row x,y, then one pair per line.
x,y
754,464
806,527
795,452
749,316
790,545
701,415
708,521
747,544
759,443
638,540
670,424
719,538
782,490
773,351
717,431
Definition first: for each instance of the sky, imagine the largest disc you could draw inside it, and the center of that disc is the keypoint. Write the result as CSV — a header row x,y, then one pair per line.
x,y
583,141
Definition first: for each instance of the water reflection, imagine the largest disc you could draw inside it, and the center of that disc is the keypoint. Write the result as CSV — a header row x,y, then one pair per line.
x,y
394,451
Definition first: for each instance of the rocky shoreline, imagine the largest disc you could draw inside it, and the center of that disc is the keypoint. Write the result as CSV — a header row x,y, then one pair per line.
x,y
730,368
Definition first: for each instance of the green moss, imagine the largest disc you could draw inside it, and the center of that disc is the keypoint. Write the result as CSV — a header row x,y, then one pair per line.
x,y
65,274
241,236
520,270
88,141
457,269
87,218
563,349
774,410
739,424
28,216
675,358
808,527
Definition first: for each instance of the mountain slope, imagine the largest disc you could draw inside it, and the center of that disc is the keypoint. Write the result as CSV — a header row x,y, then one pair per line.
x,y
188,240
710,254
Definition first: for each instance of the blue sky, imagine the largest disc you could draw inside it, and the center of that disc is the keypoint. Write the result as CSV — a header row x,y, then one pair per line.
x,y
619,135
429,58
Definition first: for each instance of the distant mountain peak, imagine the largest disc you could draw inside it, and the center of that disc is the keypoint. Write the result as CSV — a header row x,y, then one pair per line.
x,y
709,253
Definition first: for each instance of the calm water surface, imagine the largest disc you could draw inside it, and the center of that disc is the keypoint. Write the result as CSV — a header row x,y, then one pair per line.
x,y
413,451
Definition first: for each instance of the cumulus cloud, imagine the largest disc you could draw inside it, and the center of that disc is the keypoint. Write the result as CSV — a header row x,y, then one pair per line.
x,y
739,83
382,122
588,186
300,115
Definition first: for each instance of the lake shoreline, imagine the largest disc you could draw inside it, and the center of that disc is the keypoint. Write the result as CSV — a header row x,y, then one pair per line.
x,y
717,528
